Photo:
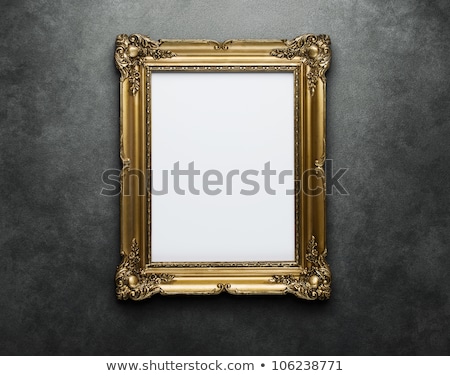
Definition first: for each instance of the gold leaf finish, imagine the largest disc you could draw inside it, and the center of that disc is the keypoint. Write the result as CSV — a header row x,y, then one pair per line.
x,y
314,51
130,53
313,282
307,59
131,280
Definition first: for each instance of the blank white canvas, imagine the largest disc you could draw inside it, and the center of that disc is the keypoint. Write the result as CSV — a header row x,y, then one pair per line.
x,y
222,121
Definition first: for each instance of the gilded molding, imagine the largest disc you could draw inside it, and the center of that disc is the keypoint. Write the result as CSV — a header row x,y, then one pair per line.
x,y
206,265
130,54
313,50
131,280
313,282
137,57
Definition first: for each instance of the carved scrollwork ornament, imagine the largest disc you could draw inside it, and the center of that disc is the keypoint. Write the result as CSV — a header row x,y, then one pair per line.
x,y
314,51
220,45
131,280
314,282
130,54
320,172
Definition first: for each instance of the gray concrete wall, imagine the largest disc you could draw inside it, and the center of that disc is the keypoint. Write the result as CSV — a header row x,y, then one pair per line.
x,y
388,122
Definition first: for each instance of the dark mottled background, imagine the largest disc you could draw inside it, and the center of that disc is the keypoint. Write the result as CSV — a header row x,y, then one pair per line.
x,y
388,122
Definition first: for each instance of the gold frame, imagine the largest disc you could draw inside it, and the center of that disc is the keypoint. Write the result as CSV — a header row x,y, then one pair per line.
x,y
308,56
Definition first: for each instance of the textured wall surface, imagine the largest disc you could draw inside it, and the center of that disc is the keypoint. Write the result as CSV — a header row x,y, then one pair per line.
x,y
388,240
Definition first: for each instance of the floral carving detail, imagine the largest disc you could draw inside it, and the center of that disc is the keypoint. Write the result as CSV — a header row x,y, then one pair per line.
x,y
130,54
314,282
131,280
314,51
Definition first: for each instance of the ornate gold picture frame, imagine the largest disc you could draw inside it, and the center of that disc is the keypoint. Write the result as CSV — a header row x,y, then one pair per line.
x,y
141,61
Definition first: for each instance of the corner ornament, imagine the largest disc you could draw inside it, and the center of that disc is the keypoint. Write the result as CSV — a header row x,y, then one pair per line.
x,y
130,54
314,51
314,282
131,280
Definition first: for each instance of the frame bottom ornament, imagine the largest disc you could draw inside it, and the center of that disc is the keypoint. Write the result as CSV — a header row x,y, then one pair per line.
x,y
131,280
314,282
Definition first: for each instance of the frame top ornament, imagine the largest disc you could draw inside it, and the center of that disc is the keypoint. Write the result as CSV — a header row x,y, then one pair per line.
x,y
131,51
313,50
